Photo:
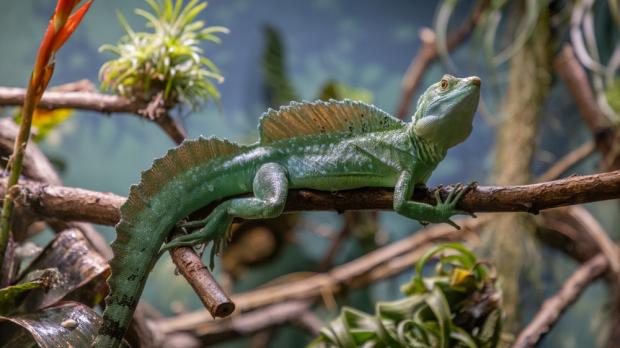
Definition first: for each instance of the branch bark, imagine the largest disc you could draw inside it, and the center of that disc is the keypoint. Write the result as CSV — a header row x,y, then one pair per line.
x,y
93,101
553,307
376,265
75,204
198,276
185,258
252,322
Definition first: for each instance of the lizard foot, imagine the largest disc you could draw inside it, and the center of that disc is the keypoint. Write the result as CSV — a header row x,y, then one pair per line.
x,y
447,208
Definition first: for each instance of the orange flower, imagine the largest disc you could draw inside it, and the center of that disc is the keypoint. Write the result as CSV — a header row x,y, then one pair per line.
x,y
61,26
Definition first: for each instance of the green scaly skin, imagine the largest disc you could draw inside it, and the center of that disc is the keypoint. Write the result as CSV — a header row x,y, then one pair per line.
x,y
400,156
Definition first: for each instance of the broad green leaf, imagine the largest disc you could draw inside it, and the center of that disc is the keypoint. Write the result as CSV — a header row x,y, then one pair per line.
x,y
441,309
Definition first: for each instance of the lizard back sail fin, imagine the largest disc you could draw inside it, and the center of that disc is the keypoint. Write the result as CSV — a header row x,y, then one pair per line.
x,y
189,154
302,119
143,228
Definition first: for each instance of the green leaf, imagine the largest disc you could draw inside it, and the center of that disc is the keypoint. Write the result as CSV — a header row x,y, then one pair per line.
x,y
438,304
77,265
12,295
426,318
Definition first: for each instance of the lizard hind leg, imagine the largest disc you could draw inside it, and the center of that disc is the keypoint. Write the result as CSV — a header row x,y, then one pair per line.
x,y
270,189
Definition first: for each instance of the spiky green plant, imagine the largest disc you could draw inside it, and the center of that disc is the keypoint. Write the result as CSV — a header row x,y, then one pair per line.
x,y
167,59
458,306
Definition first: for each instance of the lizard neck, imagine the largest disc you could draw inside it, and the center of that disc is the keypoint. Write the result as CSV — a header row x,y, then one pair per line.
x,y
426,151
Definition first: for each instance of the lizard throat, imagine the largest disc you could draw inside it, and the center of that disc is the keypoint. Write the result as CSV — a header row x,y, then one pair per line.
x,y
426,152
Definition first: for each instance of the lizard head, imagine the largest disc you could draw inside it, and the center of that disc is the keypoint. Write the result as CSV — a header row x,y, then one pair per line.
x,y
445,112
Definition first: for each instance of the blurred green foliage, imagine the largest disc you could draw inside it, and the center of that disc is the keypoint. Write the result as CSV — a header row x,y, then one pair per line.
x,y
278,87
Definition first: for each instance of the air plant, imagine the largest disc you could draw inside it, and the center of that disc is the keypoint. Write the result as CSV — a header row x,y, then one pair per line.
x,y
458,306
167,60
580,18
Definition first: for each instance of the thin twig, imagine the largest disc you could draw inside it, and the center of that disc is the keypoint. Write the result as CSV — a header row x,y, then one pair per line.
x,y
252,322
309,322
336,243
553,307
568,161
75,204
429,52
198,276
378,264
598,234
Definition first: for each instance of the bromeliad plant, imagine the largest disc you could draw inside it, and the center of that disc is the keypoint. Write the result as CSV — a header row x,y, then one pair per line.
x,y
30,312
458,306
167,60
62,24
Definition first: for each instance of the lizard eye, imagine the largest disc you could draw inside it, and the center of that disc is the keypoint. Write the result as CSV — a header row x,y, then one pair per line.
x,y
443,84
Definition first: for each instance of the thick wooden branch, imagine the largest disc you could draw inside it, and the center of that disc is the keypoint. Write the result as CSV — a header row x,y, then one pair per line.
x,y
199,277
93,101
75,204
376,265
553,307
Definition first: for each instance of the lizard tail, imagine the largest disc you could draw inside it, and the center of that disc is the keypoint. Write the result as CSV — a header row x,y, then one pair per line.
x,y
152,209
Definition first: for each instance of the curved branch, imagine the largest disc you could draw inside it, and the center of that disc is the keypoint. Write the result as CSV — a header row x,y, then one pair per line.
x,y
75,204
93,101
379,264
553,307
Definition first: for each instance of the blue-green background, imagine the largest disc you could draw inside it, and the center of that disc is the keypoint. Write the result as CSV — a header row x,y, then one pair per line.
x,y
363,43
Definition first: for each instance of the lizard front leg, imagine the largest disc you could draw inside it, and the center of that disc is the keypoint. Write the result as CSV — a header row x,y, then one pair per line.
x,y
441,212
270,188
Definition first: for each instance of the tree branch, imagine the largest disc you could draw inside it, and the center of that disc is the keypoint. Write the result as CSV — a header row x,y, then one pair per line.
x,y
576,80
553,307
197,274
75,204
92,101
252,322
378,264
565,163
185,258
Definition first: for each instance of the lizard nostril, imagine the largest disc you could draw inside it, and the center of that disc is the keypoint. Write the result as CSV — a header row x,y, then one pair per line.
x,y
475,80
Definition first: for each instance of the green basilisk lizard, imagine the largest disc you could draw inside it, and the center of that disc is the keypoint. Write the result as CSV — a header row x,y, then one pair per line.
x,y
335,145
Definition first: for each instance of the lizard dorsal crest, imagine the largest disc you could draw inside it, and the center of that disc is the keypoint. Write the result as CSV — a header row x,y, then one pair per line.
x,y
346,117
189,154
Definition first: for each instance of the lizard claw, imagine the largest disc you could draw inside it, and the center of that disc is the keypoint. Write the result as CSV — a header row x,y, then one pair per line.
x,y
453,224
